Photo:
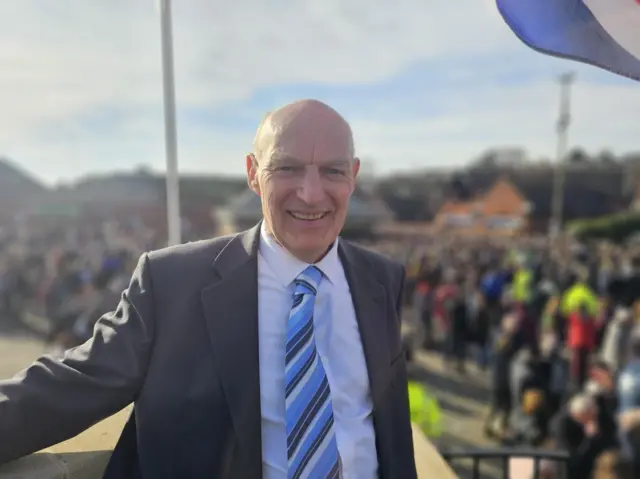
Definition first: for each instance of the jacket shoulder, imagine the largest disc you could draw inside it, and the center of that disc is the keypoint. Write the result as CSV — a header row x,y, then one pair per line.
x,y
384,268
193,248
377,260
188,258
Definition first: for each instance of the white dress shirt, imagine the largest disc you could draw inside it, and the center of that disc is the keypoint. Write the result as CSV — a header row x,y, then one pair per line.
x,y
339,346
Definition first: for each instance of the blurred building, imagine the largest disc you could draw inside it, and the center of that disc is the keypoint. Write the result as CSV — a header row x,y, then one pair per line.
x,y
500,210
509,156
19,191
130,197
523,203
415,197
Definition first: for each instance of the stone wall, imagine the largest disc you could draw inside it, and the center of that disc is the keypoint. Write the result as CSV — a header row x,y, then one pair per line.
x,y
86,456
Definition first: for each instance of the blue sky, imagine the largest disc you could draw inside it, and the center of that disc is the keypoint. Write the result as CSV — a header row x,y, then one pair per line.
x,y
423,83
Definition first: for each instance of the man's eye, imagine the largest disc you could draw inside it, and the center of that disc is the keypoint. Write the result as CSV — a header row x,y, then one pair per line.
x,y
335,171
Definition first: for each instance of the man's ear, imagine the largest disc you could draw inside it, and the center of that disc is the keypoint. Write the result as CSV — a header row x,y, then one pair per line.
x,y
355,168
252,173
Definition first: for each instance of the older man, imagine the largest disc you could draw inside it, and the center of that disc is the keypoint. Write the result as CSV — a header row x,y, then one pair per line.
x,y
273,353
584,429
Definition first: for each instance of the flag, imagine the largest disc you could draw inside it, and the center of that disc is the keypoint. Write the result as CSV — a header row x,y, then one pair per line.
x,y
603,33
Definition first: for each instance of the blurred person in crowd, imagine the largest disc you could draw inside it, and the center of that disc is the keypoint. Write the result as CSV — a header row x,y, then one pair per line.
x,y
612,464
423,303
523,280
492,286
64,300
624,287
482,331
577,431
614,348
604,276
13,289
226,345
605,314
414,267
555,367
541,382
530,392
444,296
629,423
577,294
507,345
544,290
457,332
581,339
528,325
601,386
551,321
628,387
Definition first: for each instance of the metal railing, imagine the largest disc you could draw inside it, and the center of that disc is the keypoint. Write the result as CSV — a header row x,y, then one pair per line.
x,y
505,454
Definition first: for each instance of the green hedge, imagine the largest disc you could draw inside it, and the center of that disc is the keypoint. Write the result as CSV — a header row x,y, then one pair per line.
x,y
615,227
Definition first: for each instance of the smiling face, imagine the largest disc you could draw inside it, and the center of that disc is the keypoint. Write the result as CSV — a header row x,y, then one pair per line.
x,y
304,170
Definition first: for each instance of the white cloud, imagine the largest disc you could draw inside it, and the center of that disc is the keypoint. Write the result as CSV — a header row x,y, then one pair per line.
x,y
603,117
81,81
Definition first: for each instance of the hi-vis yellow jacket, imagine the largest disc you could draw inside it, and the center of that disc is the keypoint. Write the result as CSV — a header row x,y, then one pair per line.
x,y
425,410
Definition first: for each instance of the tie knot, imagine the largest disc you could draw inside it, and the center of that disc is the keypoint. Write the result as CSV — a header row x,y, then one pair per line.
x,y
307,282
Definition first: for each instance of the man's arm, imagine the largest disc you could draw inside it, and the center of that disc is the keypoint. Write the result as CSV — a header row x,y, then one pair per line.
x,y
56,399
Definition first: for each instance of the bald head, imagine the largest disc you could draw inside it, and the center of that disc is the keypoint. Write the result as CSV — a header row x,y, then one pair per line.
x,y
302,116
304,169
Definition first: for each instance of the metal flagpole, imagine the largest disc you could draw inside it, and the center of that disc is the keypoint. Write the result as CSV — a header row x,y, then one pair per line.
x,y
555,226
170,130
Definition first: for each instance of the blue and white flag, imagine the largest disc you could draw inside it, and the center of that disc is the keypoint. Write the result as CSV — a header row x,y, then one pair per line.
x,y
604,33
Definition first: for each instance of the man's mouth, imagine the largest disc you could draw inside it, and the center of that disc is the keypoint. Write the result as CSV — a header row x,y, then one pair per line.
x,y
308,216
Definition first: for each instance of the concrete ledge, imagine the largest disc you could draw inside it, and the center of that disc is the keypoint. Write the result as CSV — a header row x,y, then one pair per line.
x,y
82,457
76,465
429,463
86,455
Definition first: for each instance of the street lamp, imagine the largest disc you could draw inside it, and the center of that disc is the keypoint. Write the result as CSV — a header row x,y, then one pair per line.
x,y
566,80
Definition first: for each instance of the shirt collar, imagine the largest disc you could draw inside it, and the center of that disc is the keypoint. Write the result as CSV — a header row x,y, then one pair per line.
x,y
287,267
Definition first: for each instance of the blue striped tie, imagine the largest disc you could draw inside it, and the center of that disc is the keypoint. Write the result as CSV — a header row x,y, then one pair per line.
x,y
312,451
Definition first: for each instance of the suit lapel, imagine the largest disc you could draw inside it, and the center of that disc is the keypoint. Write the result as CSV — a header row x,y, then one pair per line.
x,y
372,310
231,312
369,301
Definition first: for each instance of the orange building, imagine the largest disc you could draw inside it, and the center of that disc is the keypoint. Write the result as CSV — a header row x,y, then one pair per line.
x,y
500,210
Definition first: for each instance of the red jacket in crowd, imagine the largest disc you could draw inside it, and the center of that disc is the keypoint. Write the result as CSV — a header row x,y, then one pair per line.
x,y
581,331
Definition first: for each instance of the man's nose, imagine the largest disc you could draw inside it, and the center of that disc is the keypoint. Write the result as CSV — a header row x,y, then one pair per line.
x,y
311,190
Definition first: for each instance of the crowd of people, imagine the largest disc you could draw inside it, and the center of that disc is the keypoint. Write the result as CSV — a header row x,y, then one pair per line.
x,y
68,275
555,324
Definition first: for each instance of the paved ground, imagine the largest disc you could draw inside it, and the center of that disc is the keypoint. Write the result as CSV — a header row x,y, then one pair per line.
x,y
17,350
464,402
463,399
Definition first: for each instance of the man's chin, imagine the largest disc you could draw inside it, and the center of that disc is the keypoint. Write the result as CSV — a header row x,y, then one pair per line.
x,y
308,248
